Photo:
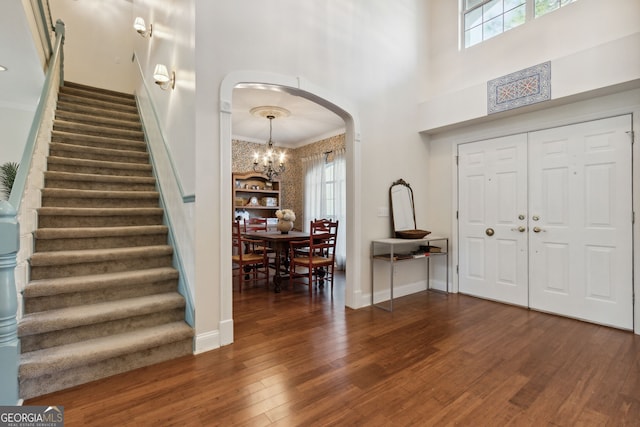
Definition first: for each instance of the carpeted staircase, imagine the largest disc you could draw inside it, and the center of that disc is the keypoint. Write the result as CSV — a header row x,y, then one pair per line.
x,y
103,293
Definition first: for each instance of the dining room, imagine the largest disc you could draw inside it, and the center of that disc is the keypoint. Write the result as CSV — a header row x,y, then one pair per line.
x,y
305,178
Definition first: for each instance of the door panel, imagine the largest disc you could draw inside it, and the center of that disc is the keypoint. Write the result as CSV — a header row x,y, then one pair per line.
x,y
476,265
580,191
555,190
555,268
492,195
507,273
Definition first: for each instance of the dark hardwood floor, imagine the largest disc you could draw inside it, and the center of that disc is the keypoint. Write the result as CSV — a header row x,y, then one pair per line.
x,y
436,360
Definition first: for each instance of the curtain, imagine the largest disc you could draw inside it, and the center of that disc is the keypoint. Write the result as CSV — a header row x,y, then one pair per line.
x,y
325,195
314,190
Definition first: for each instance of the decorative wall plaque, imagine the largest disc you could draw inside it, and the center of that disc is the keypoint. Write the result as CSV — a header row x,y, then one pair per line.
x,y
524,87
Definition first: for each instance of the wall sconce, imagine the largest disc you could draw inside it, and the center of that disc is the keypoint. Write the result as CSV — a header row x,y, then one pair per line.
x,y
162,77
141,27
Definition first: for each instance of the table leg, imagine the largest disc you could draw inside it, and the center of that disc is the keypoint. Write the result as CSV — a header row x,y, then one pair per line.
x,y
320,271
279,249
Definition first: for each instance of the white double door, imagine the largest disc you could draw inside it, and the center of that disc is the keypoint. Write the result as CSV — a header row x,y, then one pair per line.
x,y
545,220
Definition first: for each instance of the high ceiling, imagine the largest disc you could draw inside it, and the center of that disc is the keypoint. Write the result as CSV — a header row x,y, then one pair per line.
x,y
20,88
308,122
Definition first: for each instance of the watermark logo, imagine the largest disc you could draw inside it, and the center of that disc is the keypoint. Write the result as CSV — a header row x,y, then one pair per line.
x,y
31,416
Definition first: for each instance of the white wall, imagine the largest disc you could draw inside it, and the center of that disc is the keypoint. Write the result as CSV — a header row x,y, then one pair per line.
x,y
594,49
361,51
172,44
15,124
382,58
169,115
591,45
98,44
21,85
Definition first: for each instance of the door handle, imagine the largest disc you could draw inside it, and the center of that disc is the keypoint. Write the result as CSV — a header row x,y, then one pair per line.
x,y
489,232
521,229
537,229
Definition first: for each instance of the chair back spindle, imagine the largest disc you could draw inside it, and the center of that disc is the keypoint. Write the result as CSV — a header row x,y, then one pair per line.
x,y
316,256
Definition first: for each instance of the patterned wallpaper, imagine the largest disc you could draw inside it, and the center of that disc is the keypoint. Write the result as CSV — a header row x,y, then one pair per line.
x,y
292,180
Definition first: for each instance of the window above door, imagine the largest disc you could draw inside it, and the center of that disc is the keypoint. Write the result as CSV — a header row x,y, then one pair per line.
x,y
485,19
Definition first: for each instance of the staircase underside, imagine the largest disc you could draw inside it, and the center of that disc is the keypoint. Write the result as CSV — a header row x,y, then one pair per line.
x,y
102,297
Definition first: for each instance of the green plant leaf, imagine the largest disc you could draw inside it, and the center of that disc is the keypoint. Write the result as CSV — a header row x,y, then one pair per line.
x,y
8,172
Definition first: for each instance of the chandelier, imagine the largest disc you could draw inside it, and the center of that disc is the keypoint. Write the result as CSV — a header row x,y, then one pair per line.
x,y
269,163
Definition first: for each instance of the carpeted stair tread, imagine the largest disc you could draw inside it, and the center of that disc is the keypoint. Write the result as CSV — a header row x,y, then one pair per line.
x,y
98,194
93,89
89,177
100,141
81,128
124,120
87,236
41,362
127,155
99,164
93,95
118,103
82,374
94,103
98,120
63,217
73,317
68,197
63,285
68,211
93,232
69,107
90,91
98,255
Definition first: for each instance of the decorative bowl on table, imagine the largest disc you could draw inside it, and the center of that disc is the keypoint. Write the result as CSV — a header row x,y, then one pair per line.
x,y
412,234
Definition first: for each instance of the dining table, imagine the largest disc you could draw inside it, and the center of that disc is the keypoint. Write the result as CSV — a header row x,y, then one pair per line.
x,y
279,242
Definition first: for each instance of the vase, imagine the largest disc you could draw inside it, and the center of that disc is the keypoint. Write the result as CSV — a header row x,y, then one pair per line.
x,y
284,226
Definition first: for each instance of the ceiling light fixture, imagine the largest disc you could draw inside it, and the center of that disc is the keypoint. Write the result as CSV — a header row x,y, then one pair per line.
x,y
269,156
3,68
163,79
141,27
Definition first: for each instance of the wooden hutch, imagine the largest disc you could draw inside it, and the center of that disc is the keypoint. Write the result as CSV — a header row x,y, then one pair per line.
x,y
255,195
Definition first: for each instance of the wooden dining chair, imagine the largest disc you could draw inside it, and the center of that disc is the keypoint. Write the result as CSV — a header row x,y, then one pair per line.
x,y
255,224
313,261
250,266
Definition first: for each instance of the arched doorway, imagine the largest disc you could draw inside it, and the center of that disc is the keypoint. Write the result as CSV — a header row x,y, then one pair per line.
x,y
333,103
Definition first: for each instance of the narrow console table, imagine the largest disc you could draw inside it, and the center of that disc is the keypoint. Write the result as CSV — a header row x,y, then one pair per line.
x,y
387,250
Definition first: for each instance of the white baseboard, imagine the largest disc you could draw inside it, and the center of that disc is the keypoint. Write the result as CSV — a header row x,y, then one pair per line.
x,y
207,342
226,332
398,291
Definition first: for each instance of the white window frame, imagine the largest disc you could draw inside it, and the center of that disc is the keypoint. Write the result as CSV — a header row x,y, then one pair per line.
x,y
329,169
529,16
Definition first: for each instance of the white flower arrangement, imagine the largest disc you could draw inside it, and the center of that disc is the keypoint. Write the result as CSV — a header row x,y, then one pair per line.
x,y
286,215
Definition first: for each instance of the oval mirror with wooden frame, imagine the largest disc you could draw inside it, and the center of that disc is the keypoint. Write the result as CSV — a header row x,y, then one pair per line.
x,y
403,215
